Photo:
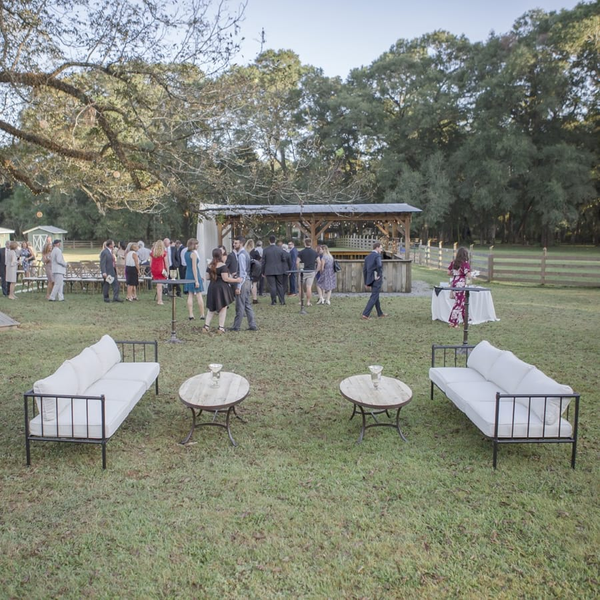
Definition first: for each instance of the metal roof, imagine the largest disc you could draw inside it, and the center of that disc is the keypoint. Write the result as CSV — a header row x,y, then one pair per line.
x,y
4,230
341,210
47,228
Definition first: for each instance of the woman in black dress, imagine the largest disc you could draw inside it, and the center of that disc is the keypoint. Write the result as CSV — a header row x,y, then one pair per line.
x,y
220,294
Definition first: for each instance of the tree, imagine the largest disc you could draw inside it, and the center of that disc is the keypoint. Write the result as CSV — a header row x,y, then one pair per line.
x,y
105,94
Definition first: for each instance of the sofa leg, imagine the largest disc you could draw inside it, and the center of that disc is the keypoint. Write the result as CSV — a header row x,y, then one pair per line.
x,y
495,462
156,386
573,454
431,393
104,455
28,451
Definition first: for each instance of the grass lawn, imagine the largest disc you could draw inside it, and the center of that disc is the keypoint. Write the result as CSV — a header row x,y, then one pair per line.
x,y
298,509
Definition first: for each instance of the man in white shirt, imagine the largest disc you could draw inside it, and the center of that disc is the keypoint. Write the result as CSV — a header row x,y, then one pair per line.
x,y
243,291
59,270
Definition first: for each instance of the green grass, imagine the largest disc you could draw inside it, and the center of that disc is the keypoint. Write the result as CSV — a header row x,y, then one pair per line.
x,y
298,509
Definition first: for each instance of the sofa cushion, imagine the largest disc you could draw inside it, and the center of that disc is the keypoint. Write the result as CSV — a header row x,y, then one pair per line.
x,y
536,382
127,392
483,357
508,371
108,353
472,391
526,425
84,421
442,376
88,367
63,381
146,372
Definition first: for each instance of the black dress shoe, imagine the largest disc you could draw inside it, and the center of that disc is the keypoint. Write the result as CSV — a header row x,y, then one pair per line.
x,y
106,300
273,303
117,300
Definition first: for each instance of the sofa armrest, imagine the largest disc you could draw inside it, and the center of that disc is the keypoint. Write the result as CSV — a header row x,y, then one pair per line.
x,y
544,405
450,356
134,351
64,406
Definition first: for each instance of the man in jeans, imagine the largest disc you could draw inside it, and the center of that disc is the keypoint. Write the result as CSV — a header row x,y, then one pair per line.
x,y
243,291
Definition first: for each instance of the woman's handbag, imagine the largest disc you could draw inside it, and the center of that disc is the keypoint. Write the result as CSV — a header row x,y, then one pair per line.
x,y
336,266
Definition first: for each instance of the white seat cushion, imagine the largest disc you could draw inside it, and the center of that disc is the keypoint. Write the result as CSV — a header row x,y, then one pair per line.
x,y
84,422
442,376
526,424
536,382
88,367
63,381
127,392
462,392
147,372
483,357
508,371
108,353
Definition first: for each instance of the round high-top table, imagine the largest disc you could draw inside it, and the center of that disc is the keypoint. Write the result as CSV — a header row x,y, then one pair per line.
x,y
199,395
174,339
391,394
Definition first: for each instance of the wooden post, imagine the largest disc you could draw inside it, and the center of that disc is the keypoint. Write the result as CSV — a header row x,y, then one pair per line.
x,y
440,255
543,267
491,263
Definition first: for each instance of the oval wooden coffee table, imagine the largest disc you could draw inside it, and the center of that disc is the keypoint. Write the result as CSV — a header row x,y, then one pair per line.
x,y
199,395
391,394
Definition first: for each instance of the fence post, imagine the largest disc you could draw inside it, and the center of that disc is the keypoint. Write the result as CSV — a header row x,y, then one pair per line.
x,y
440,255
543,268
491,264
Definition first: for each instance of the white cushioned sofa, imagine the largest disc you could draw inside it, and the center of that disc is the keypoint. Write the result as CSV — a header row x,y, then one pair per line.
x,y
89,396
507,399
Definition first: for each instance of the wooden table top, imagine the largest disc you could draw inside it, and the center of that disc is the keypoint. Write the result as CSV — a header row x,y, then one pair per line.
x,y
197,392
391,393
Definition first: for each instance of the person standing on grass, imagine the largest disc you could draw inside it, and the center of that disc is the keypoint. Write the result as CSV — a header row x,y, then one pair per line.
x,y
47,261
159,267
12,262
327,280
132,272
275,263
308,257
193,290
3,252
59,270
459,269
243,290
108,268
373,275
293,260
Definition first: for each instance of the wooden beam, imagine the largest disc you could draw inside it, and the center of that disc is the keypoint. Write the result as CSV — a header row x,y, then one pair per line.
x,y
323,229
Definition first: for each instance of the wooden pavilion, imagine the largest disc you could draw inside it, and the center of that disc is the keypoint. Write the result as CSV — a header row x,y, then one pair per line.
x,y
313,220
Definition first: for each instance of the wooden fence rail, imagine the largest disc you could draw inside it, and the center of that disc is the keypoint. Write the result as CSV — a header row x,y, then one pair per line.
x,y
540,269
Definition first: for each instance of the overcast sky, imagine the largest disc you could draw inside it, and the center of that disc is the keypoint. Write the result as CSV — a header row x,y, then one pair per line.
x,y
341,35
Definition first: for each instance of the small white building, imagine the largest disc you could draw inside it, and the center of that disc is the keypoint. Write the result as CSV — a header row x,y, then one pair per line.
x,y
37,236
5,235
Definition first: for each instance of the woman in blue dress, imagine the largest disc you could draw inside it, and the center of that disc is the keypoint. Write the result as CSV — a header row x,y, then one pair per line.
x,y
192,271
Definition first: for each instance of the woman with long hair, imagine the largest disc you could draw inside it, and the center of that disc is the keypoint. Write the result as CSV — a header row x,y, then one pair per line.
x,y
459,269
192,271
220,294
327,280
27,257
47,261
254,255
159,267
132,272
319,266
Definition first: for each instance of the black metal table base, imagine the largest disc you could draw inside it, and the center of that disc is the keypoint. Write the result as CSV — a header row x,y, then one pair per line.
x,y
364,427
212,423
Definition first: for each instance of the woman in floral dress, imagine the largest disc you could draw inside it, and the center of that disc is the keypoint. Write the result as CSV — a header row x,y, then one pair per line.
x,y
459,269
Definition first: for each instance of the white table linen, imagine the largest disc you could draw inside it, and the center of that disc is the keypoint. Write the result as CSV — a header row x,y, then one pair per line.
x,y
481,306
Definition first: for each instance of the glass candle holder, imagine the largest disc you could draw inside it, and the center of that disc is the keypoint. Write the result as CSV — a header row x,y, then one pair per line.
x,y
215,370
376,375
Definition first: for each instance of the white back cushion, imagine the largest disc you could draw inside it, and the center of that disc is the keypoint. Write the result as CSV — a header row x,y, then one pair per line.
x,y
108,353
483,357
508,371
63,381
536,382
88,368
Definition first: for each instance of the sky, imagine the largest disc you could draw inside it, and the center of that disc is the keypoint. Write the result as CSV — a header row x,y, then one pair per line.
x,y
340,35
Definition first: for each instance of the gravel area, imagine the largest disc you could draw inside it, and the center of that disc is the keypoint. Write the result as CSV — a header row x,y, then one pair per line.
x,y
419,289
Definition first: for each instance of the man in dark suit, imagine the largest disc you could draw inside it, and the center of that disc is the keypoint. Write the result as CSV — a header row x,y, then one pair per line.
x,y
174,264
275,264
373,275
109,271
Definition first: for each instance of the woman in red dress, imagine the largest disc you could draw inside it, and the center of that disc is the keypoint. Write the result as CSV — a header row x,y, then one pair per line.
x,y
159,267
459,269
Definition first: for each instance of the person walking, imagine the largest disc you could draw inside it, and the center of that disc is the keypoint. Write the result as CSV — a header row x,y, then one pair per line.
x,y
108,268
47,262
459,270
293,253
243,291
373,276
275,261
59,270
159,267
132,272
256,257
308,257
193,290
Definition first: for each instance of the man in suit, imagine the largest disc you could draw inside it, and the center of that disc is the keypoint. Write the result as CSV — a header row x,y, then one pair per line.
x,y
275,262
174,264
59,270
373,275
3,269
293,254
108,269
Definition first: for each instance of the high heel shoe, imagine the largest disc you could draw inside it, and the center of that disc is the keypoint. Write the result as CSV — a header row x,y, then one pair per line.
x,y
205,329
221,330
191,318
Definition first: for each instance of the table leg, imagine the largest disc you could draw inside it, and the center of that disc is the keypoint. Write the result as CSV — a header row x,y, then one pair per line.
x,y
398,425
189,435
238,416
466,319
174,339
364,425
227,425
